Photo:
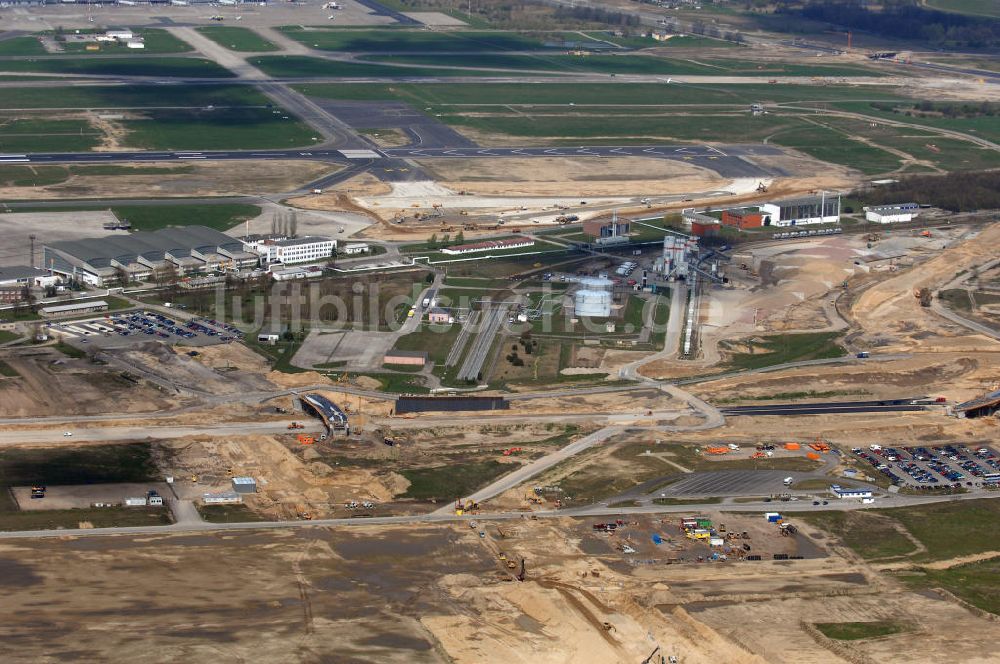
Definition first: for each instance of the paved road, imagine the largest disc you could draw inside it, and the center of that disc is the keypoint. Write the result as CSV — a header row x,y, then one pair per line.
x,y
55,435
821,408
449,516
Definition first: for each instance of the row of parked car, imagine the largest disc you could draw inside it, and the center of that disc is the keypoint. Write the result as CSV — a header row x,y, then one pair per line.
x,y
943,461
147,322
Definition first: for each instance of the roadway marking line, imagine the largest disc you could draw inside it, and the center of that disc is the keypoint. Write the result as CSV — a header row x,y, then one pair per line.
x,y
717,150
13,161
192,157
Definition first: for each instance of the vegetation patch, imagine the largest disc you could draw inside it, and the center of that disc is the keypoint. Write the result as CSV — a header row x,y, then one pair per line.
x,y
782,348
853,631
445,483
228,514
977,583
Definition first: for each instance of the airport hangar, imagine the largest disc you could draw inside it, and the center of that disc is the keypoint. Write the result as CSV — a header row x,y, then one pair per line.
x,y
187,250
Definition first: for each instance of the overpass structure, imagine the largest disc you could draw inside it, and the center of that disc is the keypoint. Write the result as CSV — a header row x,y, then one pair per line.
x,y
329,412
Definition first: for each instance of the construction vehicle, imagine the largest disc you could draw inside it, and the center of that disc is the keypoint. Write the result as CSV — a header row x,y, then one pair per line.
x,y
520,575
924,295
296,425
925,234
761,188
306,440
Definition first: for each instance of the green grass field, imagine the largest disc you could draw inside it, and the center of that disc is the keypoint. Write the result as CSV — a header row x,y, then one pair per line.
x,y
415,40
854,631
124,66
218,129
21,46
220,216
625,95
237,39
131,96
98,464
37,135
446,483
782,348
292,66
626,64
228,514
156,40
832,146
973,7
976,583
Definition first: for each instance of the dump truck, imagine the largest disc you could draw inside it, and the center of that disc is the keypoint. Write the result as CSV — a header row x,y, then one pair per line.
x,y
924,295
296,425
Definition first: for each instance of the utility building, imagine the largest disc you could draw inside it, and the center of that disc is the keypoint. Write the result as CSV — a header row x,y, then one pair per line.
x,y
821,209
607,231
892,214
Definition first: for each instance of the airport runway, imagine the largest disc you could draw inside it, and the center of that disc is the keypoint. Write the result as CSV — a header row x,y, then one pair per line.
x,y
347,156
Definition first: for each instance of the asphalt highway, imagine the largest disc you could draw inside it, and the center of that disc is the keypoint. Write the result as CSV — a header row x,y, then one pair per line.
x,y
449,516
824,408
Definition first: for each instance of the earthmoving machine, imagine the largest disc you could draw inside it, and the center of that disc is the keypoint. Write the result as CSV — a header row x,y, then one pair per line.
x,y
924,295
761,188
520,574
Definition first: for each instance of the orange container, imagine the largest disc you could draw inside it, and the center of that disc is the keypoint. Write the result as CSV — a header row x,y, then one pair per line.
x,y
792,446
813,456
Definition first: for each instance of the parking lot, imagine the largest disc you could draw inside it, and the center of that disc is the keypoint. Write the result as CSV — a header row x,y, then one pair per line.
x,y
934,466
121,329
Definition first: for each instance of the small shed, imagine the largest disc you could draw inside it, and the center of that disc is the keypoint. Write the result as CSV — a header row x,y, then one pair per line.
x,y
437,315
244,485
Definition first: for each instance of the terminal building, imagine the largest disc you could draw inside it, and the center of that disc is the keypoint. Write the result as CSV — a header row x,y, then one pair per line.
x,y
801,211
287,251
142,256
892,214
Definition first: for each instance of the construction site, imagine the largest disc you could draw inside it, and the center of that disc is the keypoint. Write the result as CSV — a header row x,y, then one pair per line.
x,y
639,333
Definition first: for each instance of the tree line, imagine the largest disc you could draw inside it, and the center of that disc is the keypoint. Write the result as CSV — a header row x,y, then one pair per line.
x,y
902,19
946,109
957,192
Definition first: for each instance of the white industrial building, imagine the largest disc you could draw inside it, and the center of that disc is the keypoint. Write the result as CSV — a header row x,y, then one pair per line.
x,y
843,493
141,256
308,249
487,245
822,209
354,248
222,498
892,214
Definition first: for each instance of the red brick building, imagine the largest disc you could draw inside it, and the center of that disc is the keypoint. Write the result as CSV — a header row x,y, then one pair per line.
x,y
705,228
742,219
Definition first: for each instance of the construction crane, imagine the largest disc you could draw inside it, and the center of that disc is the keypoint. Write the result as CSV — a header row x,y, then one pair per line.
x,y
652,655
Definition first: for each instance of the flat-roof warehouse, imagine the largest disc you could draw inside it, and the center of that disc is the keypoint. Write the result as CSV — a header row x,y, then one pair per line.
x,y
187,250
